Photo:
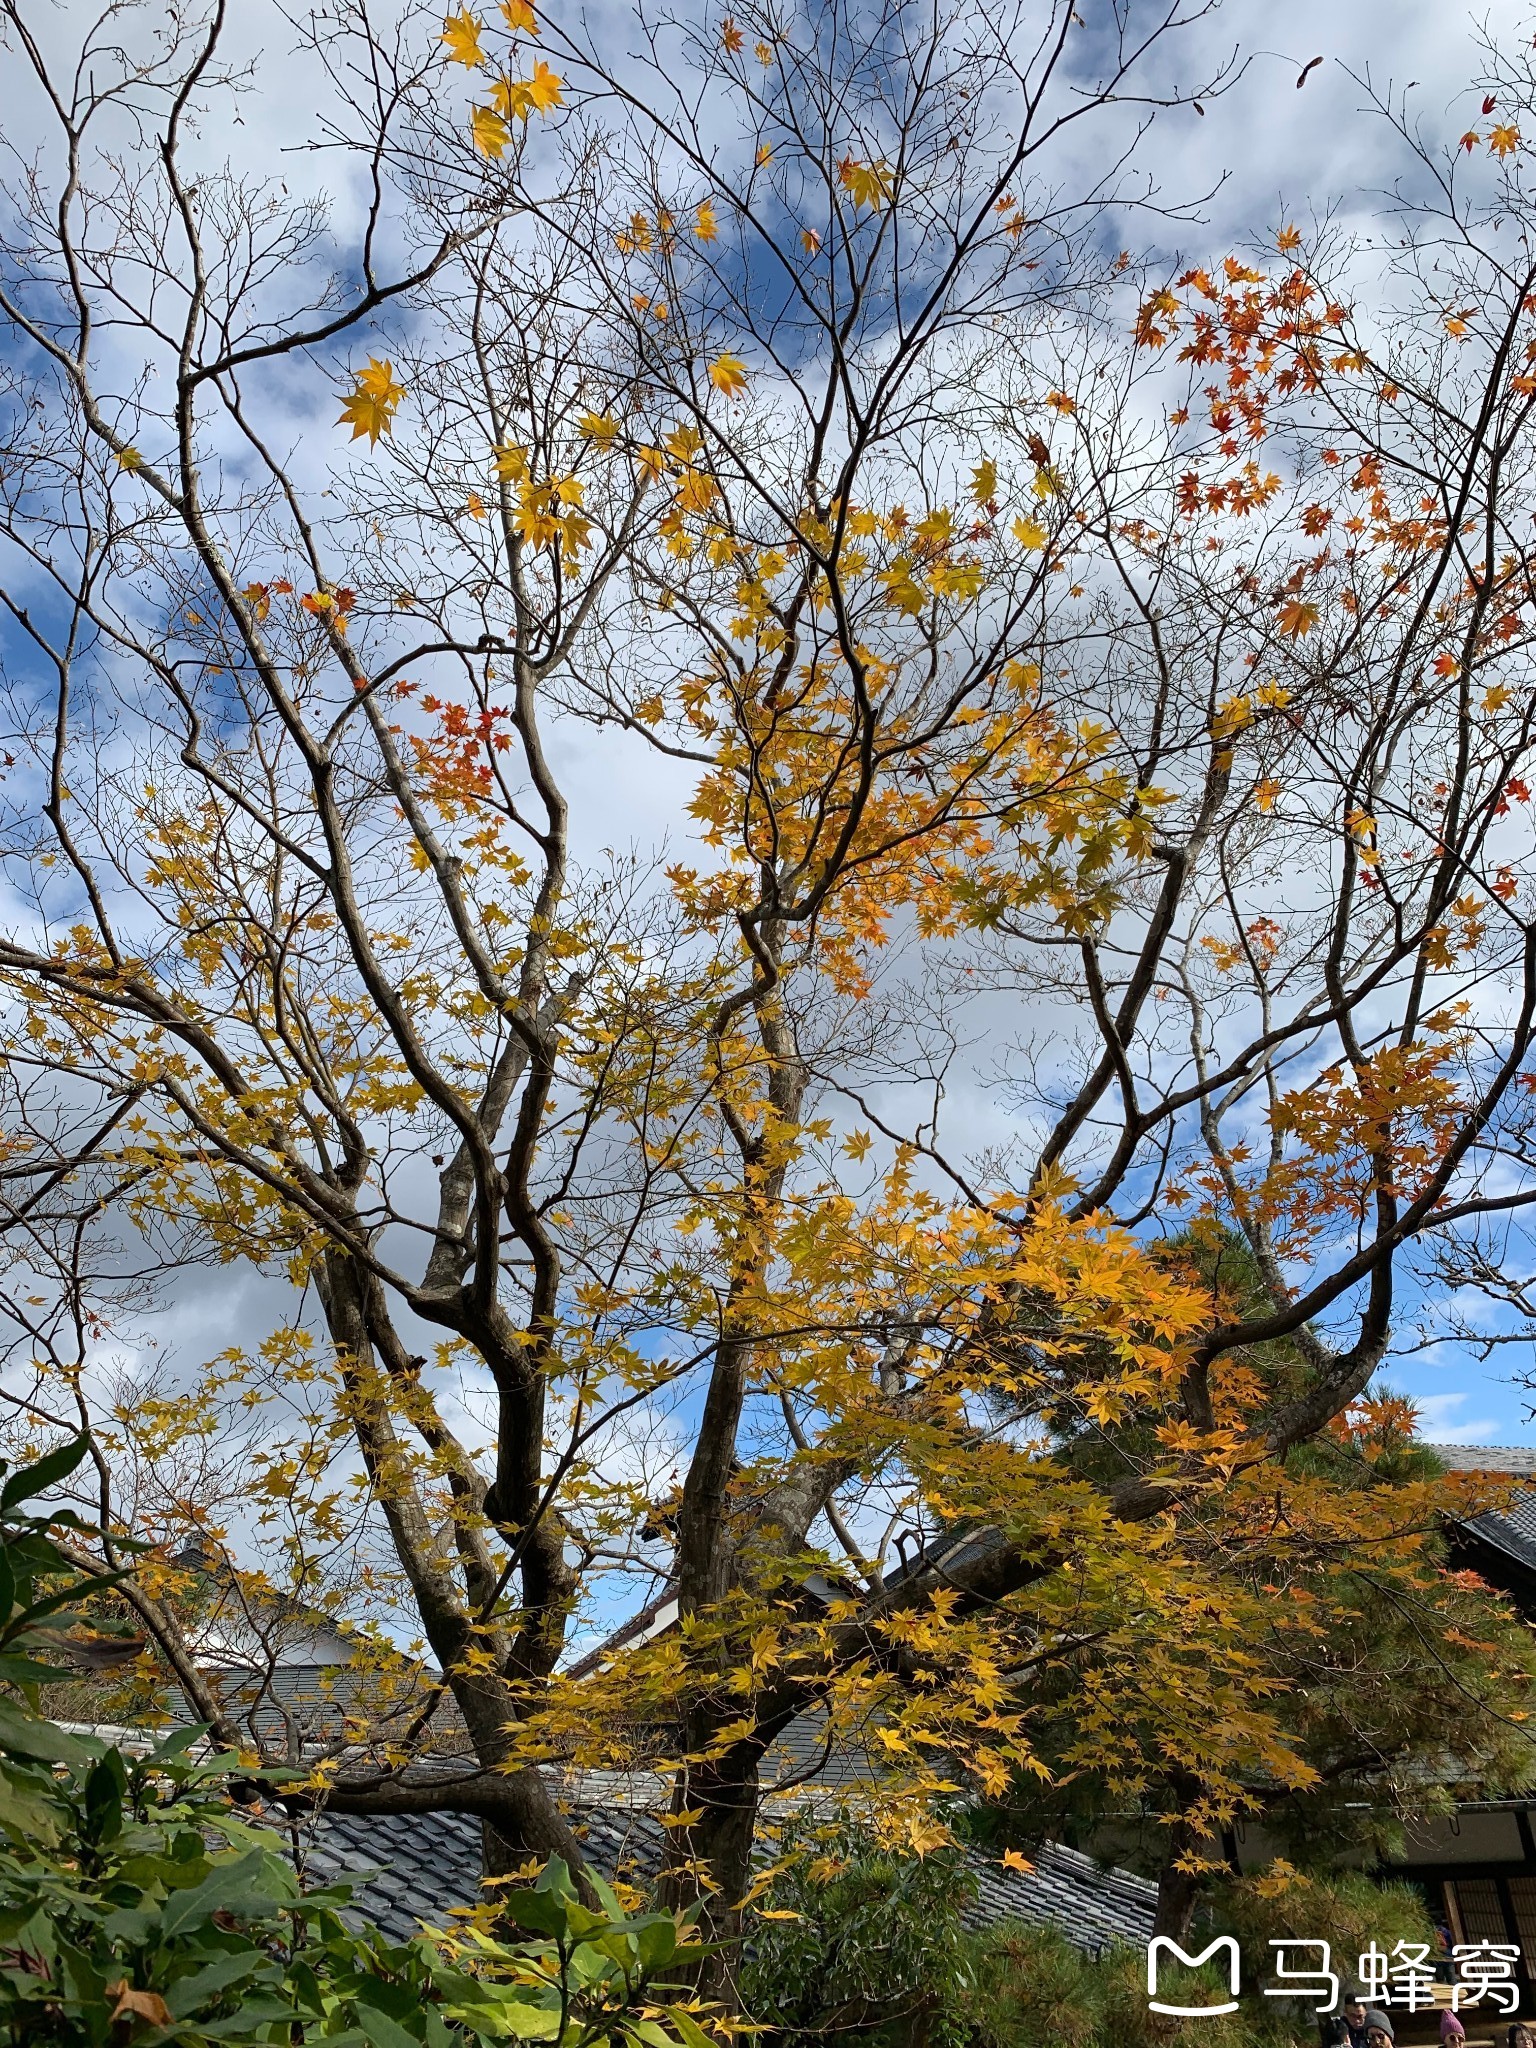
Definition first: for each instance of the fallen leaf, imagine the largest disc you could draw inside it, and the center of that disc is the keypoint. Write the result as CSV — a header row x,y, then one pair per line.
x,y
138,2005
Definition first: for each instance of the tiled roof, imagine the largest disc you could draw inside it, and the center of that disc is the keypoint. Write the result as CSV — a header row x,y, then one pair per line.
x,y
428,1864
1512,1458
1094,1906
1510,1530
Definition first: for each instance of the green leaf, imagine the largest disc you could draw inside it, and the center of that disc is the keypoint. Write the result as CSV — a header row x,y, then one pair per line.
x,y
178,1744
656,1939
48,1471
29,1815
382,2031
27,1671
509,2017
540,1910
131,1926
23,1734
236,1888
606,1896
190,1993
689,2032
556,1877
106,1787
585,1924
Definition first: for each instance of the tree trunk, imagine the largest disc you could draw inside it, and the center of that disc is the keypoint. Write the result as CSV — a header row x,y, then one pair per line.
x,y
726,1793
1177,1892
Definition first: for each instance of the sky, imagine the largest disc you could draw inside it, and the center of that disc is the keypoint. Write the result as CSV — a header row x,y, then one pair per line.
x,y
1275,153
1266,153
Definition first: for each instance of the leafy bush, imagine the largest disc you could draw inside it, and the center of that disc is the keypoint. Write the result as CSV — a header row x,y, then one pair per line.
x,y
856,1942
138,1906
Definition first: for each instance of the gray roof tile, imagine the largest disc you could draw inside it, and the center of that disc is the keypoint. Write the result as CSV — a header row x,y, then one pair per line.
x,y
438,1868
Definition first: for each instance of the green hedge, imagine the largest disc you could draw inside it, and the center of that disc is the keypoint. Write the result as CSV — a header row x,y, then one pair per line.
x,y
864,1945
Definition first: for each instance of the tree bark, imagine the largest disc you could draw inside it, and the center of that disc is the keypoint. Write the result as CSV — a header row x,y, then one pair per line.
x,y
1178,1892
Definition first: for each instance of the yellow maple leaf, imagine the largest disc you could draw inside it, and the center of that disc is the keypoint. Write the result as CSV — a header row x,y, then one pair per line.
x,y
517,98
1012,1860
696,491
1505,139
984,482
1029,533
810,241
869,184
519,17
1288,238
461,32
544,89
1264,793
1496,698
370,408
475,506
491,133
511,461
129,459
731,37
728,374
598,427
705,225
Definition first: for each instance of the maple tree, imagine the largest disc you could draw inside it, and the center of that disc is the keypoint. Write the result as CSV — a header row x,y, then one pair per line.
x,y
1362,1680
1125,673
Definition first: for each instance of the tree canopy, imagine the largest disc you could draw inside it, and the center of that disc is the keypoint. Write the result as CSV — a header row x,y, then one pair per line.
x,y
1068,679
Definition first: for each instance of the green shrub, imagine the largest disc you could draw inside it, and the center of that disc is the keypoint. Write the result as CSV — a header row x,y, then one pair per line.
x,y
856,1942
139,1909
1348,1910
1030,1986
1033,1989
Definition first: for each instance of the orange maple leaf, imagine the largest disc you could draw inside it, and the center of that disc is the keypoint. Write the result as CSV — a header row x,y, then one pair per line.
x,y
1297,617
